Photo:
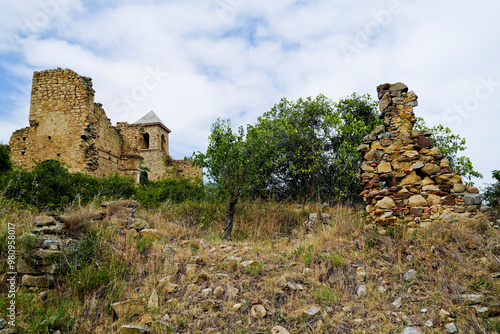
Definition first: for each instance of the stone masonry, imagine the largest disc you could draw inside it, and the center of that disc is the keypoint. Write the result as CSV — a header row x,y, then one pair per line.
x,y
66,125
406,179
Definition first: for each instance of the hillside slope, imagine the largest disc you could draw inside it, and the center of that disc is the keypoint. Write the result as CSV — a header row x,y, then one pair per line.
x,y
308,269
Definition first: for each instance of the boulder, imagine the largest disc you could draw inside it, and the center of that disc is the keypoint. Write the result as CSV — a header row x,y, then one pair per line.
x,y
411,330
385,101
411,179
431,169
384,167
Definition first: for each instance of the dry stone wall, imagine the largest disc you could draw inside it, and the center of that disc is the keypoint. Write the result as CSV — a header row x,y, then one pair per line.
x,y
66,125
406,179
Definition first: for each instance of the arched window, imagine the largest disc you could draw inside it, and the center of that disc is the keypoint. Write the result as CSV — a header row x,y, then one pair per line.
x,y
144,142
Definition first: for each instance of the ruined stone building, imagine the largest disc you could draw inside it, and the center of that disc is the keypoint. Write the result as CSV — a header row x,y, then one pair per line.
x,y
65,124
406,179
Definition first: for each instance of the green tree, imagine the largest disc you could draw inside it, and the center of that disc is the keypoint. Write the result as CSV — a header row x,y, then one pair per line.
x,y
451,145
492,191
232,162
5,163
314,145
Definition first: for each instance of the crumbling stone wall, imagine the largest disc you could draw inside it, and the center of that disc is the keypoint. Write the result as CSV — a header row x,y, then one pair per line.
x,y
66,125
405,177
183,168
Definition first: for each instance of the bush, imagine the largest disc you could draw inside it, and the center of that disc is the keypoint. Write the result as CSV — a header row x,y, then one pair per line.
x,y
91,266
50,185
5,163
172,189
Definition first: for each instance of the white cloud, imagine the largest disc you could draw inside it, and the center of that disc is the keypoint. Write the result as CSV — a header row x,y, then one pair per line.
x,y
236,58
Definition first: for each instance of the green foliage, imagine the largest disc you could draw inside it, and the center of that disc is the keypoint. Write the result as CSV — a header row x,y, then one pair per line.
x,y
232,164
450,145
91,266
174,189
50,185
334,260
254,270
306,253
324,295
492,191
313,148
143,244
58,316
231,160
5,163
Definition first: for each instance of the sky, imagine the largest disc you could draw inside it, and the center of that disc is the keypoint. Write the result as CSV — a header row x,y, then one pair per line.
x,y
193,61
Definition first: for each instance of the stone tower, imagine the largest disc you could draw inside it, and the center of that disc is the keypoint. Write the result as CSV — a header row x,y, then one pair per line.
x,y
66,125
406,179
150,137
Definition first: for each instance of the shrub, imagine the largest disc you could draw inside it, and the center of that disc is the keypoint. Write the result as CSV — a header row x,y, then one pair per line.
x,y
5,163
50,185
91,266
492,191
172,189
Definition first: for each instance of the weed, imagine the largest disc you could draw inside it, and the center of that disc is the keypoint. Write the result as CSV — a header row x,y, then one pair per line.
x,y
395,231
336,260
143,243
324,295
493,325
254,270
372,239
55,316
307,254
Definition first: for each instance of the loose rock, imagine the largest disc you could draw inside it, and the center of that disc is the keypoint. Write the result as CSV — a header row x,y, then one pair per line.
x,y
279,330
258,311
451,328
312,311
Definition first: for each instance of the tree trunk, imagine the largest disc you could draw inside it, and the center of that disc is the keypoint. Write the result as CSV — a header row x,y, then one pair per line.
x,y
228,227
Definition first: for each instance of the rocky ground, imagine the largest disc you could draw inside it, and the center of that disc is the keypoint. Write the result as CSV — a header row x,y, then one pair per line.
x,y
119,268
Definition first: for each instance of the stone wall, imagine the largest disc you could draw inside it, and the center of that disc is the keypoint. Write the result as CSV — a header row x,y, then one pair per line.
x,y
405,177
183,168
66,125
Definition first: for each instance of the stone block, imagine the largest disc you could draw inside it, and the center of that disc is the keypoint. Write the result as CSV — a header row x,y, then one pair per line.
x,y
417,200
472,199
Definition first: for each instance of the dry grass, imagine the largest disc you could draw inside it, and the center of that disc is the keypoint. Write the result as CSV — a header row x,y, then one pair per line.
x,y
320,257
